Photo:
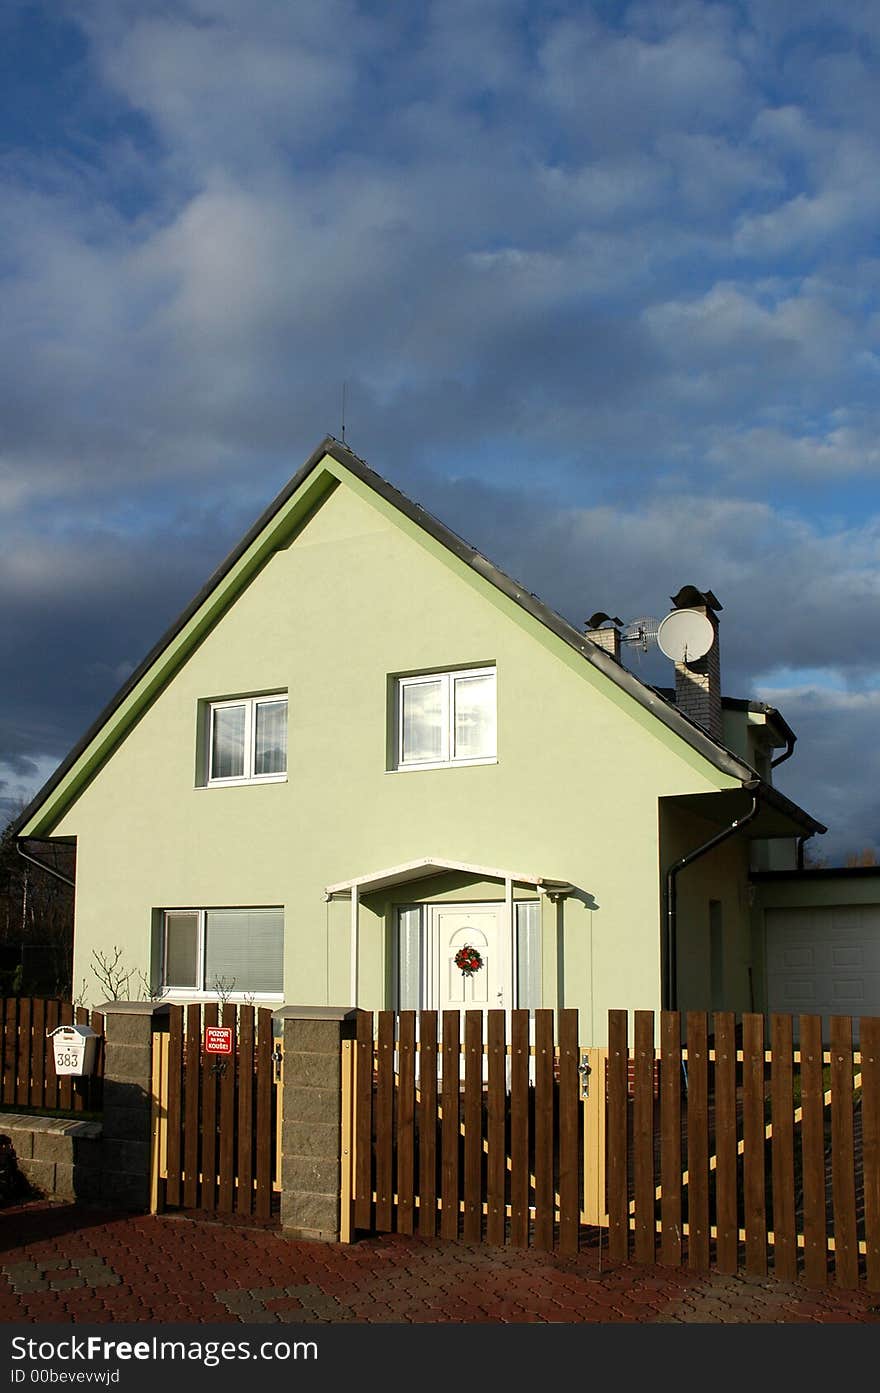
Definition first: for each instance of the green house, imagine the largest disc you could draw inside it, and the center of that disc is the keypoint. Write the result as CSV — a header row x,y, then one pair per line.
x,y
363,748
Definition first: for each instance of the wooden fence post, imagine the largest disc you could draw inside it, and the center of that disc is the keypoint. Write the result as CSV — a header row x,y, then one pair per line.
x,y
698,1140
616,1135
870,1050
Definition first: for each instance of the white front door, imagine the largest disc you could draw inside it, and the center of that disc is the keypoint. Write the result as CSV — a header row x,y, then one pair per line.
x,y
482,927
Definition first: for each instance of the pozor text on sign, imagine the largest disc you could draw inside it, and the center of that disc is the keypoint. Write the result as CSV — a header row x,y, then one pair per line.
x,y
218,1039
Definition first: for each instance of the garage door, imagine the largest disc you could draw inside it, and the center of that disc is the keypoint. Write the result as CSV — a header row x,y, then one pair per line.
x,y
824,961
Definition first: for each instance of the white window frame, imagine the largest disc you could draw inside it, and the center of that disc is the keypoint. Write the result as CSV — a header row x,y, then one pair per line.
x,y
448,680
250,705
204,993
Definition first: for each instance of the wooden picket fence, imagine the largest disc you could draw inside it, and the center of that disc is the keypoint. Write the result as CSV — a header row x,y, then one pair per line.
x,y
27,1064
216,1118
720,1149
767,1153
468,1138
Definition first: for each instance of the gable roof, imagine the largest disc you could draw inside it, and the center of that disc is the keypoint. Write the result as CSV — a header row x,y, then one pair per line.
x,y
296,501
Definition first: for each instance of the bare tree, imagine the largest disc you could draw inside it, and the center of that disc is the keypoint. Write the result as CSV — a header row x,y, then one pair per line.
x,y
36,917
866,857
118,982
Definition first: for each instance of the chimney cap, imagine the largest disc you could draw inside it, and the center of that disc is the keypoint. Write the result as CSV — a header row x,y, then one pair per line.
x,y
689,597
600,617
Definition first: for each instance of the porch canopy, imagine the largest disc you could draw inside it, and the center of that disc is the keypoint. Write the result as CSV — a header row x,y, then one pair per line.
x,y
422,869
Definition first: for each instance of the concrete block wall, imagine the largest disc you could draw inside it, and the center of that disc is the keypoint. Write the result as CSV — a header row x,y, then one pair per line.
x,y
59,1157
311,1159
128,1058
105,1162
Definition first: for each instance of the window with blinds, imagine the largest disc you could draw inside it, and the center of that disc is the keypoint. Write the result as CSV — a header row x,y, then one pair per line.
x,y
236,952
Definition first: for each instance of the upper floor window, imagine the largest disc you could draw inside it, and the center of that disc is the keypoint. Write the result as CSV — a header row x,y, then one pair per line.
x,y
446,718
247,739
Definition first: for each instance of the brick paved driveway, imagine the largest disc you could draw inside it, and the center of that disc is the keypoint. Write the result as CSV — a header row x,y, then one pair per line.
x,y
68,1263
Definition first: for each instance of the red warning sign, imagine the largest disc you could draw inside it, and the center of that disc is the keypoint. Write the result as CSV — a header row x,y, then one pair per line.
x,y
218,1039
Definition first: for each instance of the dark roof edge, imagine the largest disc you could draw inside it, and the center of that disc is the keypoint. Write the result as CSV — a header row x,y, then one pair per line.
x,y
729,703
771,795
763,708
646,696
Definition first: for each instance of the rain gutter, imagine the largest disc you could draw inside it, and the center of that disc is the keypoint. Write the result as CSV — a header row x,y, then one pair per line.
x,y
43,867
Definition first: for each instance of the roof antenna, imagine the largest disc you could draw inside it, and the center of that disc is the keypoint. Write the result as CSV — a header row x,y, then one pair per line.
x,y
343,412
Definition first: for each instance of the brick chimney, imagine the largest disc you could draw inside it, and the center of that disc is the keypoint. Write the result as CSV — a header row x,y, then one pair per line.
x,y
698,684
604,630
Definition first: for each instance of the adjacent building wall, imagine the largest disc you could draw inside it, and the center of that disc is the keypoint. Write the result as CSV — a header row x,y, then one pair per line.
x,y
720,876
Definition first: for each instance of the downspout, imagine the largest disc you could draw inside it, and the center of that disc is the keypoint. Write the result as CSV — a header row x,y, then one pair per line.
x,y
43,867
786,753
780,759
670,985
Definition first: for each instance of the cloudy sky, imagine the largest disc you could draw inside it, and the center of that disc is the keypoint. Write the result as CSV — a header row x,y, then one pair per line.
x,y
602,281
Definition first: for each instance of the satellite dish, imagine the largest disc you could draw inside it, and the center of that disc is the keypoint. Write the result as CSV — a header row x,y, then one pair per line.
x,y
685,635
641,632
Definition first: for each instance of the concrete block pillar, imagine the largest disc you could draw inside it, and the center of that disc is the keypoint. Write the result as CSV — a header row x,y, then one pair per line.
x,y
311,1136
126,1151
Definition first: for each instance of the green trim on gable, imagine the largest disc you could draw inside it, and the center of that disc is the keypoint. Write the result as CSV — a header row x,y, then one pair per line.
x,y
133,699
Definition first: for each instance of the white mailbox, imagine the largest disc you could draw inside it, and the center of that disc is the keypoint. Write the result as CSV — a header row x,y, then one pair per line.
x,y
74,1047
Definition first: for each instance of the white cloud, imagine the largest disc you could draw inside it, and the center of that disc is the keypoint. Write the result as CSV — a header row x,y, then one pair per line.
x,y
626,87
730,324
829,455
605,190
713,173
227,87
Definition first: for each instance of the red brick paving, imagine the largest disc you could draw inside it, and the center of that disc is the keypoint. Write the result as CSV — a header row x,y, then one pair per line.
x,y
69,1263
